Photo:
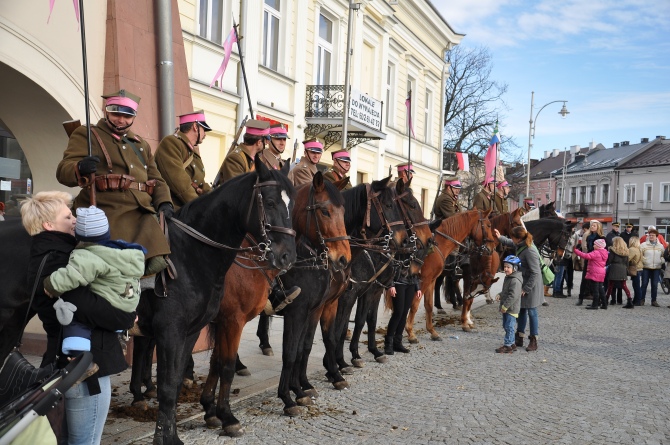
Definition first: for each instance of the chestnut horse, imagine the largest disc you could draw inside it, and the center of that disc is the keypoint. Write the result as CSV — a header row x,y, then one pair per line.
x,y
248,284
450,234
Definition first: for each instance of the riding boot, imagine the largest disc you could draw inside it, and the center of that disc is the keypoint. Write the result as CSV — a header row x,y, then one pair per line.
x,y
154,265
397,344
388,345
569,292
518,340
532,346
279,298
629,305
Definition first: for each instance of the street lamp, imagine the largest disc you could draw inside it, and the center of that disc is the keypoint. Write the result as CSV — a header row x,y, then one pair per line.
x,y
531,131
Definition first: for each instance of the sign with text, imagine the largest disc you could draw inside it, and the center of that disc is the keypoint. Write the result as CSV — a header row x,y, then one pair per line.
x,y
365,109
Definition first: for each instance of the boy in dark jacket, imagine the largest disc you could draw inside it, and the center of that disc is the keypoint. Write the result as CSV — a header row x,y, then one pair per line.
x,y
510,302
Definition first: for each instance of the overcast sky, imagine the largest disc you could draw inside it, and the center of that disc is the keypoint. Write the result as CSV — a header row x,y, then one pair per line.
x,y
609,59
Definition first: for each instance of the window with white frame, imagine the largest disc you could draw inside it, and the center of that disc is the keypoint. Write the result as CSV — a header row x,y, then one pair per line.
x,y
390,94
324,51
573,195
647,192
605,194
428,117
271,16
411,86
592,194
210,20
629,193
665,192
582,194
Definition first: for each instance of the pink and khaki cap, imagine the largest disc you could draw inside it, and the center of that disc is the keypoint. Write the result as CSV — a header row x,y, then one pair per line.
x,y
455,183
405,166
313,145
502,184
258,128
122,102
487,181
341,155
278,131
197,116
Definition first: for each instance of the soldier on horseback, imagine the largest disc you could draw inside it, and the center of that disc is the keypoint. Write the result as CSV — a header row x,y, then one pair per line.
x,y
271,156
304,172
340,168
241,160
500,204
483,199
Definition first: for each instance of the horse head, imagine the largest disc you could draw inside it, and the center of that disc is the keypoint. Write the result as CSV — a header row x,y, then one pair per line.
x,y
484,254
318,215
559,242
268,215
548,210
417,226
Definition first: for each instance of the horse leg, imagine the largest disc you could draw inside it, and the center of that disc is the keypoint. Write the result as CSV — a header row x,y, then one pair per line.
x,y
466,321
305,351
359,322
428,307
328,316
344,307
151,392
371,318
209,390
172,351
240,368
263,334
230,343
294,328
142,354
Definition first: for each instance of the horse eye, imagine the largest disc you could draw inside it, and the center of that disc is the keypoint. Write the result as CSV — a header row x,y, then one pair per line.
x,y
325,212
271,204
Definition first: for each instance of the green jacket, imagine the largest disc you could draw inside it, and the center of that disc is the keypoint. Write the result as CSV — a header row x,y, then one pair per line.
x,y
238,162
446,205
114,274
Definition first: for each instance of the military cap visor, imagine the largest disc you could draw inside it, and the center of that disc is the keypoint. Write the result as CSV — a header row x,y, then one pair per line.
x,y
313,146
342,155
122,102
278,131
197,117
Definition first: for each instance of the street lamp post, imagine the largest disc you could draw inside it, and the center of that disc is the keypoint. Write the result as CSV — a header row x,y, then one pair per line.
x,y
531,131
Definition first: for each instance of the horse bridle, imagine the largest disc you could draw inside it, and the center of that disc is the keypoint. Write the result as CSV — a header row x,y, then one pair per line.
x,y
411,234
547,252
371,243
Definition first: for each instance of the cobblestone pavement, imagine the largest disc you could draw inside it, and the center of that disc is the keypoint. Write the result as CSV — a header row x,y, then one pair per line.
x,y
598,377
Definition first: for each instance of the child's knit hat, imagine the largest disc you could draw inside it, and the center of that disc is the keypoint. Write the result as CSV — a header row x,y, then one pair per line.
x,y
92,225
599,243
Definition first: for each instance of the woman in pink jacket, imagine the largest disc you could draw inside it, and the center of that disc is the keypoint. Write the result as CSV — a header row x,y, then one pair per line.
x,y
595,271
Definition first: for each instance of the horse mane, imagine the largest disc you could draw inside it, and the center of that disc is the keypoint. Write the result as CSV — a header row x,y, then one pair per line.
x,y
460,221
356,205
334,194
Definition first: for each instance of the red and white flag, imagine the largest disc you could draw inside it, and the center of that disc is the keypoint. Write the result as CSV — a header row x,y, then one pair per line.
x,y
463,161
492,153
227,51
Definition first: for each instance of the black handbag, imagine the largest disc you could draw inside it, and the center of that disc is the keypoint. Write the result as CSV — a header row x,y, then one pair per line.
x,y
17,374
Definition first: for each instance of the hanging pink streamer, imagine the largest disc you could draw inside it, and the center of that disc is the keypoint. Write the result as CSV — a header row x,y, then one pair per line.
x,y
227,51
76,9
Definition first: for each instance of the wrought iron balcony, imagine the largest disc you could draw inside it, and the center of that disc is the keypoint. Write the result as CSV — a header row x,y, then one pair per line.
x,y
644,204
324,112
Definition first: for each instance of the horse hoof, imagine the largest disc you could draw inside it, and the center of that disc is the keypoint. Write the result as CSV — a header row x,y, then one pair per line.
x,y
381,359
436,338
292,411
304,401
140,405
268,351
151,393
466,328
213,423
413,340
347,371
358,362
187,383
312,393
235,430
243,372
341,385
441,311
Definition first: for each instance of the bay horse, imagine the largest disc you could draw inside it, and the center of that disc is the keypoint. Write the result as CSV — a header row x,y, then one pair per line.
x,y
554,233
450,234
318,219
205,236
372,272
371,214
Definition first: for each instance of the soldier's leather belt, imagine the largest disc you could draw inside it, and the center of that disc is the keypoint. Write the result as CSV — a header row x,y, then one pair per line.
x,y
115,182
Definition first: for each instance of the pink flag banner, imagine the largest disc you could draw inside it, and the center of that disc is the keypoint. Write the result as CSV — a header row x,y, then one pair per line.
x,y
408,105
492,153
227,51
463,161
74,2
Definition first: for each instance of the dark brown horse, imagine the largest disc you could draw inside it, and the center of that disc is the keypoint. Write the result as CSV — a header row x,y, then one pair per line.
x,y
318,219
448,236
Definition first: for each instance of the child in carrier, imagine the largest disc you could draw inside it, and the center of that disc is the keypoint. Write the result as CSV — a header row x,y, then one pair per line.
x,y
112,269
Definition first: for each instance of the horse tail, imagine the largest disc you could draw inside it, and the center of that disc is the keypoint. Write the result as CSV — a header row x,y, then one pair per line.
x,y
388,301
212,334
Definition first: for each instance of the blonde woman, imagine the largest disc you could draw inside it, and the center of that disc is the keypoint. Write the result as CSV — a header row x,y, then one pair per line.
x,y
634,269
594,233
618,271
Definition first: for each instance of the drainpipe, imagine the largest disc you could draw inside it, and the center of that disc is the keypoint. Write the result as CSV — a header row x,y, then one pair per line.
x,y
165,68
616,201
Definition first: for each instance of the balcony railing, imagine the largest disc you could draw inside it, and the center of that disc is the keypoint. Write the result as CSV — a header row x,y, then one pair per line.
x,y
324,101
644,205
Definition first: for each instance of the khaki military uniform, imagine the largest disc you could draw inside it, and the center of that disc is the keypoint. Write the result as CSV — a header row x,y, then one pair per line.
x,y
182,168
238,162
500,204
446,204
271,161
482,201
333,176
303,172
131,213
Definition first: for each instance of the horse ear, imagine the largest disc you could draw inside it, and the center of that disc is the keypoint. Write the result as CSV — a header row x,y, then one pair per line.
x,y
261,169
342,183
400,187
435,224
487,213
285,168
381,184
317,182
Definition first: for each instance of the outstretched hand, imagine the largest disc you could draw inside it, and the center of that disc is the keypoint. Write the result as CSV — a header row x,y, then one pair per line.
x,y
496,233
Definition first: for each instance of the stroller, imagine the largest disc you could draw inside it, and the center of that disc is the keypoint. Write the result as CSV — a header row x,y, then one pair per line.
x,y
23,419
